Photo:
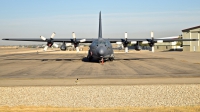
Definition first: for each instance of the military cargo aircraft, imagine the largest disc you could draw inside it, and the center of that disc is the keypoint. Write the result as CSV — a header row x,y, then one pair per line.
x,y
100,47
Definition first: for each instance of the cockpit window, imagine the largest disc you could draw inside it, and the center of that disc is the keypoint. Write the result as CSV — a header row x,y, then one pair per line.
x,y
108,43
101,42
95,42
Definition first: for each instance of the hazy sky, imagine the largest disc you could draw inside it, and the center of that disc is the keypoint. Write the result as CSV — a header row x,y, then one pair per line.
x,y
32,18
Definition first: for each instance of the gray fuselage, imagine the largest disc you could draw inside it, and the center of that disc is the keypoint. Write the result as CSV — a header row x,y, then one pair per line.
x,y
101,48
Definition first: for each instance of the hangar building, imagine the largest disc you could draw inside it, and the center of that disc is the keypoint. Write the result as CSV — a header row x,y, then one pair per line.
x,y
166,46
191,33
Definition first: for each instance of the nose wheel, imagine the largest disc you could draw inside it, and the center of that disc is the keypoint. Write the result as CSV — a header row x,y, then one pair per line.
x,y
101,61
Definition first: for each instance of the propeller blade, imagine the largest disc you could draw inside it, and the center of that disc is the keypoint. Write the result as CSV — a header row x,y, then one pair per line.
x,y
126,49
56,45
125,35
152,34
45,48
73,35
43,38
82,40
122,46
53,34
152,49
77,49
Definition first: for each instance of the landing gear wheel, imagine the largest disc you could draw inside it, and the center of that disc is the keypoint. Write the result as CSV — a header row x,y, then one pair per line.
x,y
111,59
101,61
89,58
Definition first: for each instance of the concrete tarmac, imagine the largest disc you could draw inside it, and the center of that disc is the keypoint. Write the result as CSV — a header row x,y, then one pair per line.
x,y
33,64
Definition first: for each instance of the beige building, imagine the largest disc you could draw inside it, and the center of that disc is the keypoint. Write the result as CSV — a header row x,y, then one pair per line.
x,y
166,46
191,33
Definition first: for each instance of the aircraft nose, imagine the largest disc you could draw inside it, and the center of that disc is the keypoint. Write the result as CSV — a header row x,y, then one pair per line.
x,y
101,51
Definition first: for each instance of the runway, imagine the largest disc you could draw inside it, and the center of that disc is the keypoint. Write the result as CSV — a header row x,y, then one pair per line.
x,y
34,64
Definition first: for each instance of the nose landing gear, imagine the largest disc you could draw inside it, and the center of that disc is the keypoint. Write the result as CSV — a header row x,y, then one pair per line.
x,y
101,61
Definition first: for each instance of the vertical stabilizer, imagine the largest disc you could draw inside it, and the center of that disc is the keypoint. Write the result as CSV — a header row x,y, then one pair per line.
x,y
100,26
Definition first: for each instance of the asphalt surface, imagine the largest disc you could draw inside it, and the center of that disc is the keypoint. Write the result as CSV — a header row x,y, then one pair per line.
x,y
34,64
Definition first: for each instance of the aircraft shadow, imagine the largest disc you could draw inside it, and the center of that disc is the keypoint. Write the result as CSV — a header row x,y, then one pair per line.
x,y
172,50
64,59
84,59
140,58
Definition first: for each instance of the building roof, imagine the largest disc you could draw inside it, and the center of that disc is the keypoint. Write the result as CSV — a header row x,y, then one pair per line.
x,y
188,29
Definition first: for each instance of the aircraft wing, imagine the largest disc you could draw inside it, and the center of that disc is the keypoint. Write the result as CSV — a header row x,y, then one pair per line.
x,y
148,40
121,40
24,39
171,40
54,40
89,40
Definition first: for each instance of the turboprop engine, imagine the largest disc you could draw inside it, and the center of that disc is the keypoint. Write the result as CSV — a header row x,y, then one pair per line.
x,y
76,42
138,48
50,41
63,47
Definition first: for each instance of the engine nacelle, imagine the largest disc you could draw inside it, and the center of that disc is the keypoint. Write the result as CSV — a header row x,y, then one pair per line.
x,y
138,48
49,43
63,47
151,44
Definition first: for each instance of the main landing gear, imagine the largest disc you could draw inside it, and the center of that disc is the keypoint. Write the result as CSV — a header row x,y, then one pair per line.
x,y
89,58
111,59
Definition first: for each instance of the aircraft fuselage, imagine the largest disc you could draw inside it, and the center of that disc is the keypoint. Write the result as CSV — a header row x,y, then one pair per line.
x,y
101,49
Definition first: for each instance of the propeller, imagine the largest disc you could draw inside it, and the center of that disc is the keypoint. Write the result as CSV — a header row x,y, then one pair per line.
x,y
63,47
152,42
75,42
74,36
50,41
125,43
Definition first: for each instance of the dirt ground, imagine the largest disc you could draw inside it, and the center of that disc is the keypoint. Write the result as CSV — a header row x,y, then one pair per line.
x,y
87,82
125,109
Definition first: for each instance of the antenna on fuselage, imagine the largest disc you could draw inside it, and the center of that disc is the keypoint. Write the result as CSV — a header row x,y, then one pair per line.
x,y
100,26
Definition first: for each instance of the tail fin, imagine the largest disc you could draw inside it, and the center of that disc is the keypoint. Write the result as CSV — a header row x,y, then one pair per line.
x,y
100,26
